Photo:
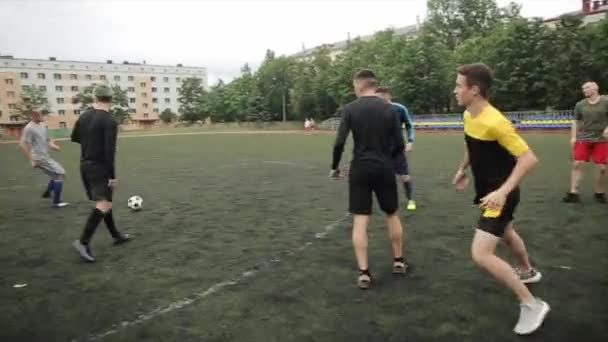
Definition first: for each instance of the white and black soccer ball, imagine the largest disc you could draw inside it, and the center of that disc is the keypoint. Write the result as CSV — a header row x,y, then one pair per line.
x,y
135,203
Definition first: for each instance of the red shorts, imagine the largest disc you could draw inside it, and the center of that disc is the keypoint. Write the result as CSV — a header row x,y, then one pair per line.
x,y
596,151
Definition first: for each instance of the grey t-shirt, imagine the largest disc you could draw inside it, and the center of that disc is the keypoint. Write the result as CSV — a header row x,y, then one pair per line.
x,y
37,136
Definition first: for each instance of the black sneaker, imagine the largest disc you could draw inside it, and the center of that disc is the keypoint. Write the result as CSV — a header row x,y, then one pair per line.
x,y
571,198
600,197
46,194
124,238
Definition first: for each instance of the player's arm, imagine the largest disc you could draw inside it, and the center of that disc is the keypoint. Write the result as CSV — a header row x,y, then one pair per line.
x,y
26,145
517,146
409,126
53,145
110,134
576,123
460,179
398,136
76,132
343,131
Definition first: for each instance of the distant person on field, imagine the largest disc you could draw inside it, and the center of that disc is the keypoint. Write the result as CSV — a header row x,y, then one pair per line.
x,y
589,140
35,143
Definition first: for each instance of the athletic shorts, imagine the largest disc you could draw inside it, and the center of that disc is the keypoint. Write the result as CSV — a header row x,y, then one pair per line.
x,y
400,165
596,151
497,225
365,181
96,178
50,167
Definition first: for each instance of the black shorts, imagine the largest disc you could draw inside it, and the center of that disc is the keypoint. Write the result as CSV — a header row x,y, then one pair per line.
x,y
400,165
363,181
497,226
96,178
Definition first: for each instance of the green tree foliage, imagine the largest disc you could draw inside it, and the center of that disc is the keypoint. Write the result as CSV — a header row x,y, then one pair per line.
x,y
120,102
32,98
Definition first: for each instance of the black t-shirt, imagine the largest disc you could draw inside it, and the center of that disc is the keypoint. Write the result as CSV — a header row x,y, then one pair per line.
x,y
376,132
96,133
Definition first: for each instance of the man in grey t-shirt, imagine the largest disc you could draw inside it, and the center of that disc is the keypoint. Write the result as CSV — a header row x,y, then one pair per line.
x,y
35,144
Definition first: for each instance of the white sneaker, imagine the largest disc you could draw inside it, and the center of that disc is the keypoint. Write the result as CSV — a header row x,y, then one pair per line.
x,y
531,317
532,276
60,205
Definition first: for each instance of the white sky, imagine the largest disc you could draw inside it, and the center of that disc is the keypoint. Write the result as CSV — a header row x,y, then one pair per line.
x,y
219,35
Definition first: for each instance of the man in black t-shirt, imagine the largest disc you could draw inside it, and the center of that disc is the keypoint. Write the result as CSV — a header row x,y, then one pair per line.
x,y
96,133
377,137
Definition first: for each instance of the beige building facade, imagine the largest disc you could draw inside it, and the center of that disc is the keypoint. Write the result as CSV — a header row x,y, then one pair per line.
x,y
150,88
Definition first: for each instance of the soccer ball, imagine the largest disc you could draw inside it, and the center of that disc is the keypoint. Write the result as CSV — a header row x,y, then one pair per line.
x,y
135,203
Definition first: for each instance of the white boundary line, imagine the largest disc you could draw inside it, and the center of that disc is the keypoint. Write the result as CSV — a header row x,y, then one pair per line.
x,y
177,305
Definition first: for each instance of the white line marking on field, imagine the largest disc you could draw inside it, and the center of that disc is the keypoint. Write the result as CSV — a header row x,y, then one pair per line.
x,y
211,290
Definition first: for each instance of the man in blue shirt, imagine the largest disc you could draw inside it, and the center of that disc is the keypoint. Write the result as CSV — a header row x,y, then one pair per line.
x,y
400,161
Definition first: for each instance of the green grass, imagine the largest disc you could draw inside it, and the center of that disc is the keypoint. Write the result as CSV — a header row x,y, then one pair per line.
x,y
218,205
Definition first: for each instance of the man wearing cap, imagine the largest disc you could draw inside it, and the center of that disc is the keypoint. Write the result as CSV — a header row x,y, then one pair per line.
x,y
96,133
35,143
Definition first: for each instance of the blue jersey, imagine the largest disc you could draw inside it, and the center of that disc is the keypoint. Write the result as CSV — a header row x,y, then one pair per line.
x,y
405,119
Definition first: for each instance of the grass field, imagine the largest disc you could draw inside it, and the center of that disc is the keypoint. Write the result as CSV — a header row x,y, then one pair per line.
x,y
243,238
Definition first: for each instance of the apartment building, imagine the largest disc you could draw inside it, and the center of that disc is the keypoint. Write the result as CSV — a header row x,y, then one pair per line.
x,y
150,88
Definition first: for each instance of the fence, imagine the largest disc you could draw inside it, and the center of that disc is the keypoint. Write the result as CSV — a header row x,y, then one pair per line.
x,y
536,120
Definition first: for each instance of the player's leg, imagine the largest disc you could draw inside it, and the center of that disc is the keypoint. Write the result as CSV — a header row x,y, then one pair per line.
x,y
600,158
385,188
360,205
49,189
515,243
582,155
56,172
119,238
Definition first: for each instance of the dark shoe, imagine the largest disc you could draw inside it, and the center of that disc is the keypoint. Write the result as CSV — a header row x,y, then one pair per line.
x,y
84,251
571,198
600,198
46,194
124,238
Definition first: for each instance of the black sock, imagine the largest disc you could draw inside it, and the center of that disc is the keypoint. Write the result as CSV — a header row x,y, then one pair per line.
x,y
400,259
109,220
409,189
92,222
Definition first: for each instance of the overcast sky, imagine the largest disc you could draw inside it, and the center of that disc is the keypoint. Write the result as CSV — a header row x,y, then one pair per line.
x,y
219,35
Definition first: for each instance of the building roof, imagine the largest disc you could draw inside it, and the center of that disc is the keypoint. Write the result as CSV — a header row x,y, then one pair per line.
x,y
108,62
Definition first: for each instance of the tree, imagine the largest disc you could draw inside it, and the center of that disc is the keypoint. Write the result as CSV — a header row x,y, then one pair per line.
x,y
191,99
32,98
120,104
167,116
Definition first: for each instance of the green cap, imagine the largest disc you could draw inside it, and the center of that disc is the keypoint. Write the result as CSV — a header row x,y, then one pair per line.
x,y
103,91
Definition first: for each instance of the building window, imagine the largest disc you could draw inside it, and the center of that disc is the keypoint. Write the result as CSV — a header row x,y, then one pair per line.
x,y
60,100
102,77
155,110
61,112
10,94
57,76
166,90
59,88
74,88
88,77
153,79
73,76
146,115
167,100
144,95
142,84
8,81
23,75
63,125
12,106
25,87
131,100
76,111
41,76
177,79
165,79
154,89
42,88
145,105
117,78
155,100
131,78
131,89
